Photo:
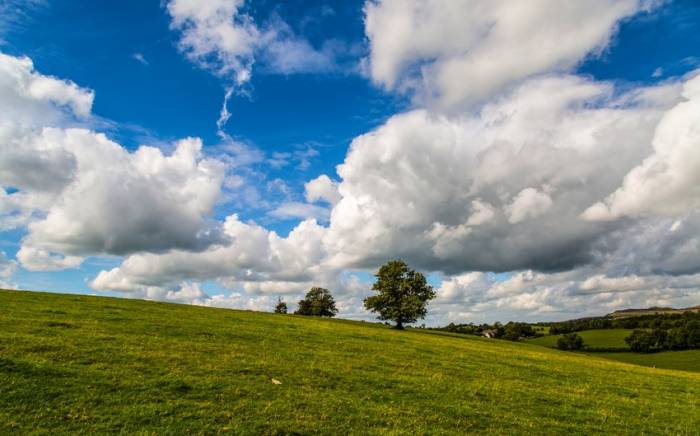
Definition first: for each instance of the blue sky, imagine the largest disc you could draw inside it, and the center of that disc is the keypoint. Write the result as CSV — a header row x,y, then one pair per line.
x,y
168,97
147,91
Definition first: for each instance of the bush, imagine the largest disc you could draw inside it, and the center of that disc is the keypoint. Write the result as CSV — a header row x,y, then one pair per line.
x,y
281,306
570,342
641,341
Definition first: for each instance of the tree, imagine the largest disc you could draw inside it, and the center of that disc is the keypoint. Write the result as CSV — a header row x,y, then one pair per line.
x,y
640,341
513,331
675,339
692,331
318,302
403,294
570,342
281,306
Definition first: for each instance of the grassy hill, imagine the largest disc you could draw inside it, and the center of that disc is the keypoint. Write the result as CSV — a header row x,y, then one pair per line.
x,y
604,338
686,360
629,313
80,364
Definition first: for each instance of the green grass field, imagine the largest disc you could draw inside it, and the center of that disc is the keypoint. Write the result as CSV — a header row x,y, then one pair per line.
x,y
80,364
686,360
605,338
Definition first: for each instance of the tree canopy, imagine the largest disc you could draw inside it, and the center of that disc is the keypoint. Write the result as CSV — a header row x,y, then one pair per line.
x,y
281,306
403,294
570,341
318,302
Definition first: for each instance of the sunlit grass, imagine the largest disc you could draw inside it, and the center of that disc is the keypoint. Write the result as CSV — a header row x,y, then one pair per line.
x,y
686,360
71,364
603,338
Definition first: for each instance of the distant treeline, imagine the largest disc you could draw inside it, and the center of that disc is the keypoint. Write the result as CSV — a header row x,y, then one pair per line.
x,y
655,321
511,331
683,337
654,332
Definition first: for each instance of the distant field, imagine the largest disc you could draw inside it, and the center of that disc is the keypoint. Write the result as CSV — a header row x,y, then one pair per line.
x,y
544,329
687,360
74,364
605,338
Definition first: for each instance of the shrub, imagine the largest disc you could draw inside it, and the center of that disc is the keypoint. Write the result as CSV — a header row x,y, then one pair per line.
x,y
641,341
281,306
570,342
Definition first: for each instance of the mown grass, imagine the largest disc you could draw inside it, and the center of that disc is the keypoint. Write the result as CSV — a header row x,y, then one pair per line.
x,y
80,364
604,338
686,360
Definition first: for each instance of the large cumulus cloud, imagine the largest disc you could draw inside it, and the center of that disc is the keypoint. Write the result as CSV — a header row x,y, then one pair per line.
x,y
532,162
667,182
119,202
79,193
459,52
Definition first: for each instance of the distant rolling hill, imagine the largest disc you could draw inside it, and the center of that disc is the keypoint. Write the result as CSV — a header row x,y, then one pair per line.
x,y
72,364
627,313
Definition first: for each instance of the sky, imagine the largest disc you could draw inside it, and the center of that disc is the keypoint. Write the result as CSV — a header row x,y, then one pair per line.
x,y
536,160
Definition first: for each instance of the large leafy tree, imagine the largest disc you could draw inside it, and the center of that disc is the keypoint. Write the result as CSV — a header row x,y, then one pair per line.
x,y
318,302
403,294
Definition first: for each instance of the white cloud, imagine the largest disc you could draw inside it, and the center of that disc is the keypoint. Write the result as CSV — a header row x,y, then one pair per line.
x,y
285,52
216,34
30,101
79,194
141,201
219,35
28,98
295,209
528,295
7,269
40,259
7,266
529,203
322,188
252,254
457,52
667,182
481,213
409,187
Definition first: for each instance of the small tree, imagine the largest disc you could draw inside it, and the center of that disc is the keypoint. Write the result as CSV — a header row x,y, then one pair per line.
x,y
570,342
281,306
318,302
403,294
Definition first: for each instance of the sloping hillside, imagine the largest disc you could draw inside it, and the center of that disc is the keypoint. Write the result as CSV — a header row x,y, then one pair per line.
x,y
628,313
88,364
603,338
